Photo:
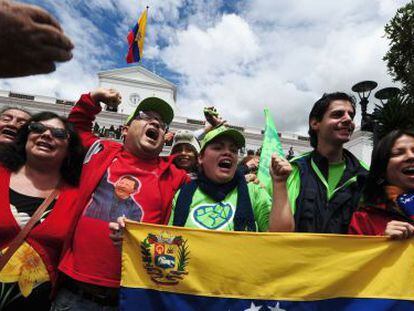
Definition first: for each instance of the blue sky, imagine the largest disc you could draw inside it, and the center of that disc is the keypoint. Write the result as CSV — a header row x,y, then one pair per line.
x,y
238,55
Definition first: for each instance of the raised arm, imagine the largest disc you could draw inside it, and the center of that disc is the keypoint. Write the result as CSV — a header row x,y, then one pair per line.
x,y
281,218
83,113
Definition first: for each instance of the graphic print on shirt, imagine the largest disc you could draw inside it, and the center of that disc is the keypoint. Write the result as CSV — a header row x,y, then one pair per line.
x,y
213,216
115,197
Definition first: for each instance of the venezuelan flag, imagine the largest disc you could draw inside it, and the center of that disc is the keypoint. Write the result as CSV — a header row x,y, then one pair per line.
x,y
136,39
169,268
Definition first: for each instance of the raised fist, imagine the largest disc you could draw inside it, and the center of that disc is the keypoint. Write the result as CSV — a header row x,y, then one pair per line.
x,y
280,168
109,97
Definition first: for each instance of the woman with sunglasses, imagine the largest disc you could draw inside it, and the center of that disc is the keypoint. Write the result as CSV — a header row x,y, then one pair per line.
x,y
45,162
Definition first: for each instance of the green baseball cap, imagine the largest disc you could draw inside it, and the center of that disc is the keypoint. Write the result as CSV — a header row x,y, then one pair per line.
x,y
157,105
222,130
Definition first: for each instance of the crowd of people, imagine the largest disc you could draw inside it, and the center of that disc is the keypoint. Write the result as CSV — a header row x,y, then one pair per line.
x,y
67,191
86,187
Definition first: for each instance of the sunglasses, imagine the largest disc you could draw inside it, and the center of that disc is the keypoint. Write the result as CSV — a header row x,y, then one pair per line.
x,y
39,128
148,116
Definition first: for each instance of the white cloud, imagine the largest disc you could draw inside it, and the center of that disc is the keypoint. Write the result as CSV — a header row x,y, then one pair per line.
x,y
282,54
224,48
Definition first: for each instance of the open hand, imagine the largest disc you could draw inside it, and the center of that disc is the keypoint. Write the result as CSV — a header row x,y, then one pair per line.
x,y
31,40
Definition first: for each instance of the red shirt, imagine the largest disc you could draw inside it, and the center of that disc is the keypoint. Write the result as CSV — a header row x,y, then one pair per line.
x,y
113,183
373,220
47,238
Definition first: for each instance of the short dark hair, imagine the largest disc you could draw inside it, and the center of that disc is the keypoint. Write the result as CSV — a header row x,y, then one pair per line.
x,y
130,177
13,156
7,108
321,106
374,191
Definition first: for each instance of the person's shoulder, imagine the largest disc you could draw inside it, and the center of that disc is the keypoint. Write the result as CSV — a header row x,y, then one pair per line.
x,y
166,165
357,162
294,161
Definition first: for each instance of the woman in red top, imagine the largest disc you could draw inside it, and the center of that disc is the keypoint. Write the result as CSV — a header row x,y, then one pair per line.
x,y
48,155
388,207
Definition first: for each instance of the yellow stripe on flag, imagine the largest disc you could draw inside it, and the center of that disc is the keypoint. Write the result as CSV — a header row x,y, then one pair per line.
x,y
286,266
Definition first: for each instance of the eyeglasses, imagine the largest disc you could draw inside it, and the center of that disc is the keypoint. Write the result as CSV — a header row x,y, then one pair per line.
x,y
148,116
39,128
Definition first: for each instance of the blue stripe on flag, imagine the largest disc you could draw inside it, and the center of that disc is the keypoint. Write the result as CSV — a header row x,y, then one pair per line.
x,y
152,300
135,52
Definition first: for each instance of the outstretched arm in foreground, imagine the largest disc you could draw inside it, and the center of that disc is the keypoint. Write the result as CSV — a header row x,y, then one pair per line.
x,y
31,40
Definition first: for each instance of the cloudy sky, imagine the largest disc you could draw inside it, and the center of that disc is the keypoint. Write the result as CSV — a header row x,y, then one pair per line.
x,y
240,56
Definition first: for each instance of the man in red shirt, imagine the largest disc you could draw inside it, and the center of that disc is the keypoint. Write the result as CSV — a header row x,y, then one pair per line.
x,y
91,263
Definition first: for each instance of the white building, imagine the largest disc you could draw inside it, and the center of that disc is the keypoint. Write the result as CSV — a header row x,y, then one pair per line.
x,y
136,83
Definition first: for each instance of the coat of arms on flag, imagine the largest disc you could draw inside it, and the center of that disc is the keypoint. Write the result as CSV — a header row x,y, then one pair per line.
x,y
165,257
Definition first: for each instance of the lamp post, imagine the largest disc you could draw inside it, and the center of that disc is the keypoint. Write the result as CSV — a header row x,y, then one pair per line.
x,y
364,89
386,93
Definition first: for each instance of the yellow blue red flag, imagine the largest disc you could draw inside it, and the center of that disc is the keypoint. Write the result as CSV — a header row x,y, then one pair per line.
x,y
136,38
170,268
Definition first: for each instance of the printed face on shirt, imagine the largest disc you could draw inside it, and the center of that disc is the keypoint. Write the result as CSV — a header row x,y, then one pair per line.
x,y
400,168
45,147
145,137
219,159
11,121
125,187
337,125
186,157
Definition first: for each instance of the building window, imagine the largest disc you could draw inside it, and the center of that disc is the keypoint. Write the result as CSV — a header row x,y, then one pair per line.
x,y
64,102
197,122
239,128
22,96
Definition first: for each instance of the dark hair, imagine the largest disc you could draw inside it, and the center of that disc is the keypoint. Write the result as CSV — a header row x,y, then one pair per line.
x,y
13,156
374,191
132,178
7,108
321,106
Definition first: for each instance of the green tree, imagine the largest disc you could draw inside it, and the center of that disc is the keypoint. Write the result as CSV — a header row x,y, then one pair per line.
x,y
396,113
400,57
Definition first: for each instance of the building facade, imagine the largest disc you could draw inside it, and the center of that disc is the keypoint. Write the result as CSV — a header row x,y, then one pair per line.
x,y
136,83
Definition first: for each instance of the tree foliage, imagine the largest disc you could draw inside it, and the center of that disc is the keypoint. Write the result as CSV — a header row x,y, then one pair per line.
x,y
396,113
400,57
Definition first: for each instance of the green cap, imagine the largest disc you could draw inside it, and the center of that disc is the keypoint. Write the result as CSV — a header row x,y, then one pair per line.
x,y
157,105
222,130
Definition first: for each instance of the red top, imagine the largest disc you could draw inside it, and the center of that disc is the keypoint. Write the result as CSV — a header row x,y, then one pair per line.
x,y
372,220
46,238
113,183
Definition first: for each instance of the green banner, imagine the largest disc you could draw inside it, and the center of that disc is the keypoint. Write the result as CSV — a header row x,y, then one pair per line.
x,y
271,144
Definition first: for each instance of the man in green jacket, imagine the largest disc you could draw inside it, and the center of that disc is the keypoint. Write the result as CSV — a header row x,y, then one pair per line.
x,y
325,185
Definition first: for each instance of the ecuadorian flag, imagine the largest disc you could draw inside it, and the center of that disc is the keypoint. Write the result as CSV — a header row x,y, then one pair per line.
x,y
136,38
169,268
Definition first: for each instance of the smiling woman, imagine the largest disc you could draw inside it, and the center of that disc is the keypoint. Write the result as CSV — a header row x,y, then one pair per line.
x,y
44,164
389,192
